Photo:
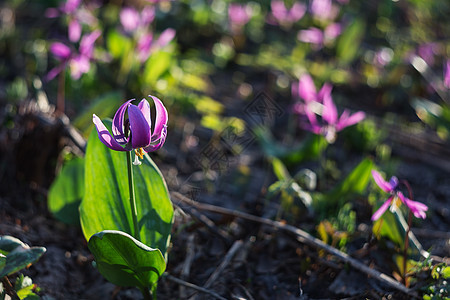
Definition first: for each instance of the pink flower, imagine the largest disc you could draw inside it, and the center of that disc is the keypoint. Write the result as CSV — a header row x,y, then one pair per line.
x,y
391,187
318,37
238,16
146,44
306,89
77,15
324,10
78,62
132,20
321,104
284,16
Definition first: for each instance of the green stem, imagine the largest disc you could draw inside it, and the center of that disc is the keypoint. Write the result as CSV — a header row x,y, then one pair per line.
x,y
132,196
405,252
146,293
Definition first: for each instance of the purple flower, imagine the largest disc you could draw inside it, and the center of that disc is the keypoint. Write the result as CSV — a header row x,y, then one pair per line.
x,y
321,103
132,20
135,133
391,187
79,62
447,74
238,16
324,10
306,89
318,37
285,16
77,15
146,44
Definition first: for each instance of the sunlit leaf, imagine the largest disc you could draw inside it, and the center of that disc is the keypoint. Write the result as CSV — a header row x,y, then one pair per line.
x,y
17,255
350,41
125,261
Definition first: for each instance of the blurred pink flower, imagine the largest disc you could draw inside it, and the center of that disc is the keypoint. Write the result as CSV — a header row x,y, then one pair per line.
x,y
78,62
284,16
132,20
324,10
391,187
146,45
238,15
306,90
321,104
318,37
77,15
312,35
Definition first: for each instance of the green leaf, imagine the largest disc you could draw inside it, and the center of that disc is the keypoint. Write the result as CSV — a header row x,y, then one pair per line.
x,y
393,226
118,45
125,261
156,65
350,41
18,255
355,183
106,204
310,149
280,169
66,192
104,107
25,288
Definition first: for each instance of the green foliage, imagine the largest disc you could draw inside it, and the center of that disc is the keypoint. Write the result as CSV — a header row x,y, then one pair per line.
x,y
349,43
23,287
106,204
393,227
16,255
289,189
309,149
67,191
354,184
125,261
438,288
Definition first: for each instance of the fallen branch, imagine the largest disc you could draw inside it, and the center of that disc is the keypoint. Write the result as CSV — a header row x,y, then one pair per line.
x,y
193,286
226,260
303,237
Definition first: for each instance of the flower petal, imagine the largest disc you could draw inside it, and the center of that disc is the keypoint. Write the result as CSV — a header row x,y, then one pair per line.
x,y
87,43
60,50
161,142
385,186
139,127
104,135
118,124
306,88
144,106
161,118
417,208
345,120
382,209
165,37
74,30
329,113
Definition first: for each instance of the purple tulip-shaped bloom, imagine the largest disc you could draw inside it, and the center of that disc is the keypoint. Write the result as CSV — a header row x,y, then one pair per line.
x,y
391,187
136,132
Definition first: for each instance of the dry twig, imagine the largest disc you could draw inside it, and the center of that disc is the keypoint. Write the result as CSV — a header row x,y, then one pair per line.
x,y
193,286
227,259
303,237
